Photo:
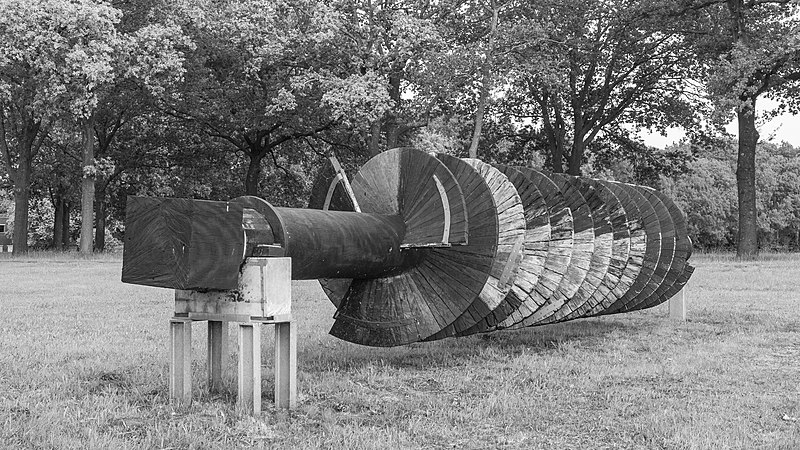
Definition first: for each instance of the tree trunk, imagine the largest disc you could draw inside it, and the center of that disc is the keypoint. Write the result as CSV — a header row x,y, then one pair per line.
x,y
65,225
21,180
87,185
100,225
375,138
58,221
747,245
254,171
393,120
556,159
393,135
486,84
22,195
556,136
576,157
476,133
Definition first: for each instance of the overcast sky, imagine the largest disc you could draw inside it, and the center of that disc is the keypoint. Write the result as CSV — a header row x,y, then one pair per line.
x,y
782,128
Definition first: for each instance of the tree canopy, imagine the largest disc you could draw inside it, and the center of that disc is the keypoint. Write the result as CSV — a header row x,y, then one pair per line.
x,y
215,99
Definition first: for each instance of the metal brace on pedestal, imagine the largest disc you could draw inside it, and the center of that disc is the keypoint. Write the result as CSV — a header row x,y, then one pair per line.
x,y
263,297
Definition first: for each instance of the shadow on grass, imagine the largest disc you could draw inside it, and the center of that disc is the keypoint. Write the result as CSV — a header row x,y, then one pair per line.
x,y
592,334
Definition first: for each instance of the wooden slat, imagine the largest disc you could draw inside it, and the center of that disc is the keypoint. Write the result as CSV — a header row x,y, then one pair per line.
x,y
430,196
522,301
379,321
377,184
652,252
620,252
636,249
559,249
680,283
582,250
484,185
683,250
601,254
627,253
666,253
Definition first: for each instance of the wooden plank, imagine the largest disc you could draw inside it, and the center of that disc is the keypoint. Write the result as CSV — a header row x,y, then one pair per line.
x,y
435,307
651,256
368,317
425,311
637,249
600,256
464,281
683,250
666,253
478,258
335,288
582,250
620,251
559,249
416,186
377,184
508,256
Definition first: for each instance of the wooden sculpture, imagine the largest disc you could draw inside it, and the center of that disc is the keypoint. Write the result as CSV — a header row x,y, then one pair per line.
x,y
420,247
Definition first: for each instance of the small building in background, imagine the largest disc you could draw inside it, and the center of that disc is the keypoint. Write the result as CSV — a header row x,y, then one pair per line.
x,y
6,245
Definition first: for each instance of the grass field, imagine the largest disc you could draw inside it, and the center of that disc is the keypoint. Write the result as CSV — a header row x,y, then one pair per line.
x,y
83,364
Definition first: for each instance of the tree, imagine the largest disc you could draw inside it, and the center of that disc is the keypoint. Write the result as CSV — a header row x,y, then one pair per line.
x,y
422,53
264,75
750,49
486,76
601,65
58,175
778,193
707,194
32,58
141,62
60,59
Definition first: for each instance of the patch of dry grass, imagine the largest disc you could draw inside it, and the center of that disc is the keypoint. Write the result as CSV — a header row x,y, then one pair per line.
x,y
83,364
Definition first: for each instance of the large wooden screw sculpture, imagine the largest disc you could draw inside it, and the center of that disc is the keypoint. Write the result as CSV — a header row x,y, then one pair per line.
x,y
420,247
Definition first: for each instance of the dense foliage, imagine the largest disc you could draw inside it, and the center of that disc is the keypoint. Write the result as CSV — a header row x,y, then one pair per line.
x,y
707,195
214,99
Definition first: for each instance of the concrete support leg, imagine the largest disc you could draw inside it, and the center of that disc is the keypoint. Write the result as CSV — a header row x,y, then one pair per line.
x,y
180,369
285,365
217,351
249,373
677,306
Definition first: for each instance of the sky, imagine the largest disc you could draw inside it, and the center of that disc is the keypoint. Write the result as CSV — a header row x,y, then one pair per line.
x,y
785,127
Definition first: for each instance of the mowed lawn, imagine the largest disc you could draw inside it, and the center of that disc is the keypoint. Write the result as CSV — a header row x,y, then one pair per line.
x,y
84,364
